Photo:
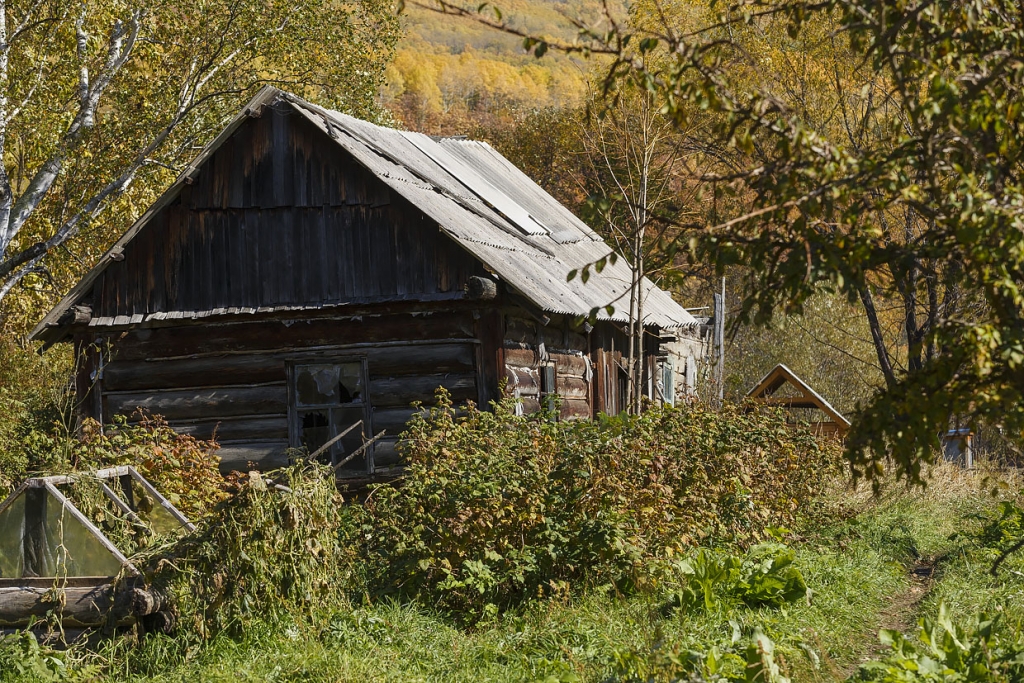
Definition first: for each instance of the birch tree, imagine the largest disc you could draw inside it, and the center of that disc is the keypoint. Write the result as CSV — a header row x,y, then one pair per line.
x,y
101,102
634,162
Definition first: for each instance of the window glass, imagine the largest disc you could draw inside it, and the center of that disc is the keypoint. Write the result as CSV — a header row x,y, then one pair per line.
x,y
12,526
71,549
316,385
316,429
351,383
328,399
343,419
161,521
327,385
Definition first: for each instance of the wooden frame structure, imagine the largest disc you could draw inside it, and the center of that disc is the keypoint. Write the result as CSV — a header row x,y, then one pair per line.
x,y
81,600
763,391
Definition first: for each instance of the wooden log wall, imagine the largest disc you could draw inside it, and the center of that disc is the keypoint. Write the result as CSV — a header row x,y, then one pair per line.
x,y
231,378
564,346
609,349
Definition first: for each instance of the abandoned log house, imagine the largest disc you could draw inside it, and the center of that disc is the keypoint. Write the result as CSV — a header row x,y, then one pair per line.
x,y
310,269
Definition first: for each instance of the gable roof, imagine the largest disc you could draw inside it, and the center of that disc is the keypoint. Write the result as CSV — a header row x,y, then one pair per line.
x,y
478,198
809,398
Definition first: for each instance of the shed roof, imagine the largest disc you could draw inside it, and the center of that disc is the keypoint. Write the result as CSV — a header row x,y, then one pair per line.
x,y
478,198
808,397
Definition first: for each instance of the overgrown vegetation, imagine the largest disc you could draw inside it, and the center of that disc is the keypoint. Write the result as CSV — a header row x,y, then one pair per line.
x,y
518,548
496,508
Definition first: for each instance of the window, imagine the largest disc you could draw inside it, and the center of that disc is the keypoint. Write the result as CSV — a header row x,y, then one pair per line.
x,y
327,399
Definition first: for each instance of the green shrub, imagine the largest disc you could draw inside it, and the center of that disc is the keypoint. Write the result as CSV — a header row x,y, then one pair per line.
x,y
280,544
1002,531
36,398
496,508
22,658
949,653
766,576
183,468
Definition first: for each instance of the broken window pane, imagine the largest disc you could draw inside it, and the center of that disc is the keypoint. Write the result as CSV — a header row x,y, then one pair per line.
x,y
316,385
351,383
316,429
324,385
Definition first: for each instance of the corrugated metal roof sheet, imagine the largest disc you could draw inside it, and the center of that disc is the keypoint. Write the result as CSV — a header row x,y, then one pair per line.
x,y
479,198
534,262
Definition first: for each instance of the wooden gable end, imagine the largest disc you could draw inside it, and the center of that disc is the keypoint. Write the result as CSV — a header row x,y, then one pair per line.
x,y
280,216
801,396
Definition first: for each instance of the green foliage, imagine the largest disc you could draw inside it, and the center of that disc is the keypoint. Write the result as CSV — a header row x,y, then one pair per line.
x,y
497,508
857,152
35,406
948,652
113,98
184,469
765,576
1002,531
750,660
278,545
22,658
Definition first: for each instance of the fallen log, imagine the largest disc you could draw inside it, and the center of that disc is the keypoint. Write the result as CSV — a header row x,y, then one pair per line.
x,y
78,605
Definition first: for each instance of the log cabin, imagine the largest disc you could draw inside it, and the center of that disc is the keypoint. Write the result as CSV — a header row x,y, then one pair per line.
x,y
309,270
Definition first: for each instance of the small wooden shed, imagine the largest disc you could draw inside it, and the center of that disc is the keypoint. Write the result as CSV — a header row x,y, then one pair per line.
x,y
783,388
309,270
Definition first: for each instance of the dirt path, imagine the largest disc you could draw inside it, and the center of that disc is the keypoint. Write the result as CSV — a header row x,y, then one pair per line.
x,y
902,613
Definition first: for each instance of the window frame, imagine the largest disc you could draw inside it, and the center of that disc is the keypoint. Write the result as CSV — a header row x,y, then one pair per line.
x,y
295,410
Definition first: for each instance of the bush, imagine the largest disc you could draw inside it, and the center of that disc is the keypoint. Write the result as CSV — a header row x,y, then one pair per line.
x,y
279,544
1002,532
496,508
183,468
766,576
36,398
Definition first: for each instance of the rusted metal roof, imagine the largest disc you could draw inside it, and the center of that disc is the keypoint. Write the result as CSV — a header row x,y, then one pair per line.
x,y
478,198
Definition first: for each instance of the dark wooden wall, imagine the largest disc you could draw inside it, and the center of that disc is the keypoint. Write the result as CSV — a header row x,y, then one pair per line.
x,y
276,217
231,377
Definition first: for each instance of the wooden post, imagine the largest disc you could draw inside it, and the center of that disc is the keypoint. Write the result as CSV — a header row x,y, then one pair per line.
x,y
34,538
719,341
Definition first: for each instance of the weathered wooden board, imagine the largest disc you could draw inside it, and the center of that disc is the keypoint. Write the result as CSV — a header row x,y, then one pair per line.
x,y
572,409
191,404
570,366
522,381
402,391
274,218
393,420
237,455
281,335
526,358
572,387
248,428
392,361
83,605
135,375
